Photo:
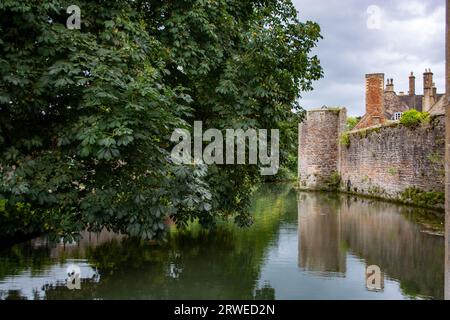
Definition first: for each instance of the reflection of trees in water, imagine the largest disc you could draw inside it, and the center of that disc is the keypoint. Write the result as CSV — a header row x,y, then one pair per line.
x,y
226,263
23,257
196,264
374,231
265,293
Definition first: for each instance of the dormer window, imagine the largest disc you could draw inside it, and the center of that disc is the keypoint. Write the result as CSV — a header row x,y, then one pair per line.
x,y
397,116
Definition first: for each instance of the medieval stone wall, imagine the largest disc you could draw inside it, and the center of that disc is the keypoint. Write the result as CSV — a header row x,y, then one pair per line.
x,y
386,161
319,146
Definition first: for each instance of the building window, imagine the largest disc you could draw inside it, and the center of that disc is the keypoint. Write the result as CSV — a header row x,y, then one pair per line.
x,y
397,116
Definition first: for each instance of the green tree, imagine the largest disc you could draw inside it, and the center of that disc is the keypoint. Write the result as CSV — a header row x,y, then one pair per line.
x,y
86,115
413,118
351,123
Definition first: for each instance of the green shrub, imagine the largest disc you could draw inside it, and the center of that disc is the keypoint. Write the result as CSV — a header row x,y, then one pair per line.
x,y
436,158
351,123
333,183
345,139
284,174
422,198
392,171
413,118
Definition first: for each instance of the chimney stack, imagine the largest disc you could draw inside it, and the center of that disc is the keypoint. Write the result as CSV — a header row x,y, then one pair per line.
x,y
375,98
428,96
390,85
412,84
427,79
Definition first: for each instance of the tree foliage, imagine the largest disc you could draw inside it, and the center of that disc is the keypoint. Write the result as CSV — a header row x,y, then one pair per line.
x,y
414,118
86,115
351,123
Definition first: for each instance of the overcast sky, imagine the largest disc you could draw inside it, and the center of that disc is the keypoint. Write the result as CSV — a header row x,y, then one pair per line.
x,y
409,35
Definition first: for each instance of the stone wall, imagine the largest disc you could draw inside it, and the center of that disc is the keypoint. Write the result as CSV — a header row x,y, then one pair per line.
x,y
389,160
319,146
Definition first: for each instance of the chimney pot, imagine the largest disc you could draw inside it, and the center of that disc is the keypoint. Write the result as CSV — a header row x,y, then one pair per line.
x,y
412,84
390,85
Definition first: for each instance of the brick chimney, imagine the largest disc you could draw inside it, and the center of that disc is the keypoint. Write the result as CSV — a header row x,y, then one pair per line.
x,y
428,92
412,84
375,98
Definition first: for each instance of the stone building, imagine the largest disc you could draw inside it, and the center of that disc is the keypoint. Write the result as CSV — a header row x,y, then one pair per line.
x,y
386,161
384,104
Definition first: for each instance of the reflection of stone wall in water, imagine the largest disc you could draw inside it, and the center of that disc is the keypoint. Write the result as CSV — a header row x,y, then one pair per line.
x,y
330,227
319,236
372,230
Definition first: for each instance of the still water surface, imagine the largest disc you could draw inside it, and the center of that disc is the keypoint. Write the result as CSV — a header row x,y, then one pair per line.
x,y
301,246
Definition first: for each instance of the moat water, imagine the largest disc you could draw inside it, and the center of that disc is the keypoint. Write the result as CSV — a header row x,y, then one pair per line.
x,y
301,246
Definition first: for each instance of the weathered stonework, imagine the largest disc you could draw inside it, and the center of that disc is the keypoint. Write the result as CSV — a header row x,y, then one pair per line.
x,y
390,161
393,103
429,95
387,161
319,147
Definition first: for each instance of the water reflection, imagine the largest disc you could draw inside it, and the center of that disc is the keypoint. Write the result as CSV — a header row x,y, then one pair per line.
x,y
379,233
302,246
320,235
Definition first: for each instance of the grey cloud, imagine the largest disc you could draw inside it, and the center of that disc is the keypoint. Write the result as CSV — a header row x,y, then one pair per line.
x,y
411,38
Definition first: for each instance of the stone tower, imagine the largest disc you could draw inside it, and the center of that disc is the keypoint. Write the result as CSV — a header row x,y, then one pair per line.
x,y
319,146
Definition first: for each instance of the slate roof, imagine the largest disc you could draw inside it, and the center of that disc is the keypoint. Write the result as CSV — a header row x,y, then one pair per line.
x,y
413,102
